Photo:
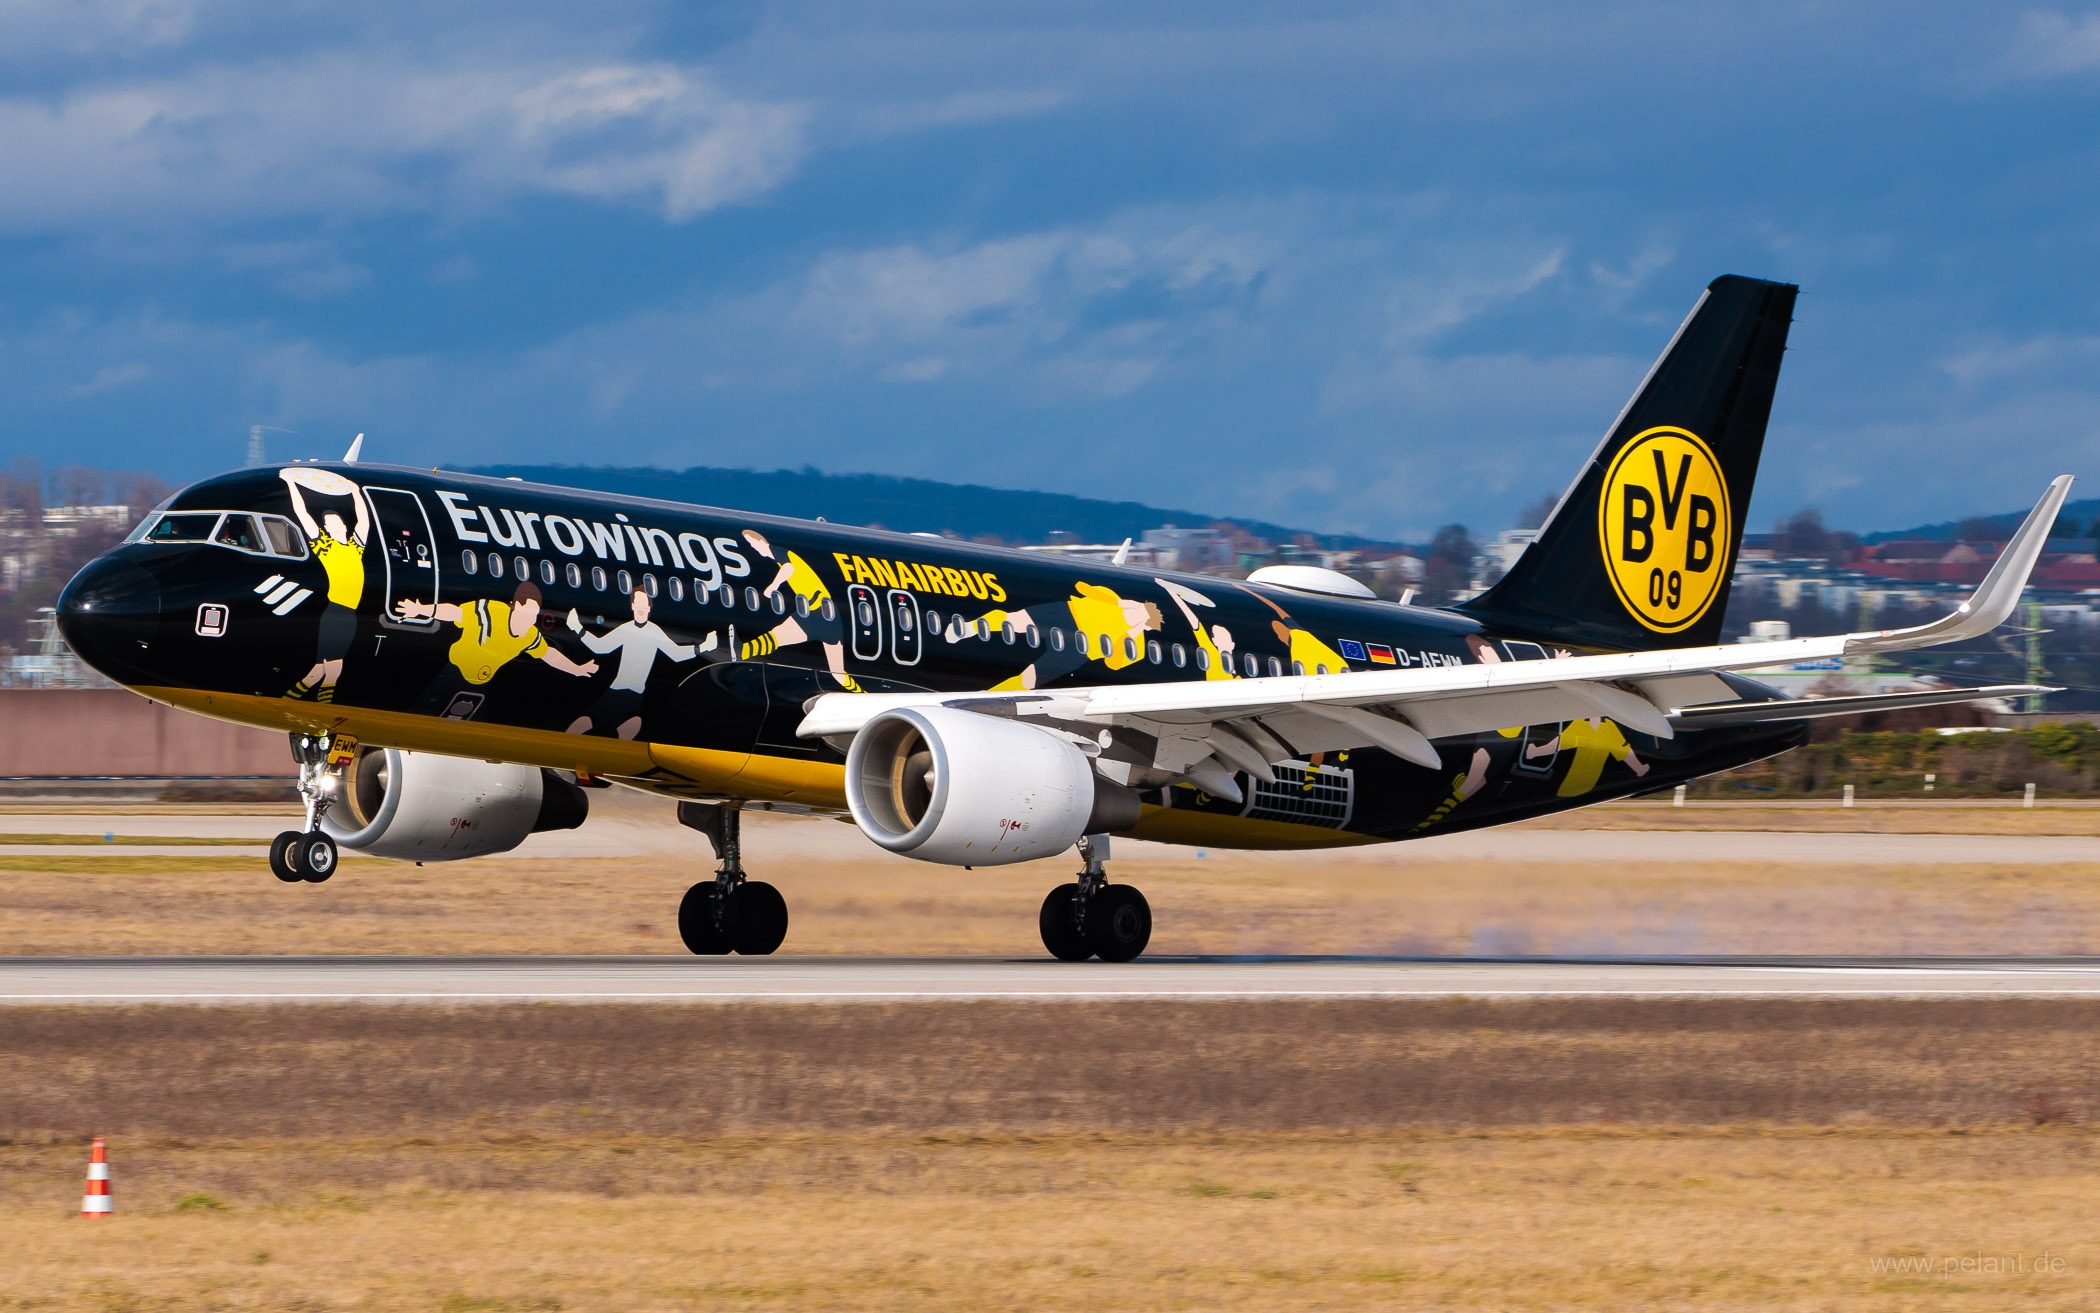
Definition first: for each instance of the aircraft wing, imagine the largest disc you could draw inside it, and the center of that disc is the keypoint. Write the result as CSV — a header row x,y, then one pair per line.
x,y
1752,713
1245,724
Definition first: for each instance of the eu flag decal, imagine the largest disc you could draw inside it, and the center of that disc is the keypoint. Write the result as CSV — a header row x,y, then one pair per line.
x,y
1352,650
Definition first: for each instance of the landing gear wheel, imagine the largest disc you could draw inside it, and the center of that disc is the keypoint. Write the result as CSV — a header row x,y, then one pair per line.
x,y
756,918
314,857
281,857
697,924
1060,929
1119,923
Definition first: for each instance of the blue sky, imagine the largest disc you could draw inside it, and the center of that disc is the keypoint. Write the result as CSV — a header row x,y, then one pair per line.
x,y
1358,267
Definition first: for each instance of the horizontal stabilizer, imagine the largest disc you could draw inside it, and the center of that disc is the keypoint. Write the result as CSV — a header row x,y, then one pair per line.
x,y
1758,713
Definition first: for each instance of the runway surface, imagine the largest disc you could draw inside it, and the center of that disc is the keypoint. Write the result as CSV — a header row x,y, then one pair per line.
x,y
28,981
630,834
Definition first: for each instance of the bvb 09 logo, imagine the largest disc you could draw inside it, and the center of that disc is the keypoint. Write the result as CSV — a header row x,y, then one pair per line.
x,y
1663,524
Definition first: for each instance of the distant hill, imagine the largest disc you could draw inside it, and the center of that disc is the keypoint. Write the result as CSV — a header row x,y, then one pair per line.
x,y
2081,513
907,505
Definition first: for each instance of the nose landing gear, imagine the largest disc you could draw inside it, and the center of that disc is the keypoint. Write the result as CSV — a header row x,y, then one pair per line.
x,y
1093,918
307,854
730,913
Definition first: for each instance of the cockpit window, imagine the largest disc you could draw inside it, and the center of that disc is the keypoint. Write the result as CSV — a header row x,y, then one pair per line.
x,y
258,535
183,527
238,532
284,540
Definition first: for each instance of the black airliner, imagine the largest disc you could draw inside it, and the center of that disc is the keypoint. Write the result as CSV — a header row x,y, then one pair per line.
x,y
457,660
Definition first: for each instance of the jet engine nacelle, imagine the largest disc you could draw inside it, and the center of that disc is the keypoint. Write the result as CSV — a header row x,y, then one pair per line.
x,y
944,785
421,807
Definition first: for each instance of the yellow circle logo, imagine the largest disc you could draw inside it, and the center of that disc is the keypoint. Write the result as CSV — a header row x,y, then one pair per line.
x,y
1664,525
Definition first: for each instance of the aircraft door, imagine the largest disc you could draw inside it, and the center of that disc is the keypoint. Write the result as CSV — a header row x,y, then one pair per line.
x,y
905,626
409,551
864,615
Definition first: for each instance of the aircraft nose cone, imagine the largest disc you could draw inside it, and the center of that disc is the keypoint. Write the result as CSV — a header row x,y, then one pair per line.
x,y
107,615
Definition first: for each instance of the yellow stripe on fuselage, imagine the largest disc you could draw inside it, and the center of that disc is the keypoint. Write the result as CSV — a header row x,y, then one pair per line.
x,y
675,771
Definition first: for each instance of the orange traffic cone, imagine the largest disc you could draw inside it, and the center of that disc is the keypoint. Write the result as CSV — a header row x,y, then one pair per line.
x,y
95,1203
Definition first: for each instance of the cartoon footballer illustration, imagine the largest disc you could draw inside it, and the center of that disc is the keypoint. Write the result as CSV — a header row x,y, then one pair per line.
x,y
491,634
638,642
1309,656
340,549
1215,645
1592,741
816,620
1106,627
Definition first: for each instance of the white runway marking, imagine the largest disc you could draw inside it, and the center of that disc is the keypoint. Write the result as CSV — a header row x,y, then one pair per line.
x,y
829,980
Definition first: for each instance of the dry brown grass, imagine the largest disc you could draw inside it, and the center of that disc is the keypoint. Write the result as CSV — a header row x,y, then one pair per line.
x,y
1735,1153
1224,903
1547,1221
1145,1067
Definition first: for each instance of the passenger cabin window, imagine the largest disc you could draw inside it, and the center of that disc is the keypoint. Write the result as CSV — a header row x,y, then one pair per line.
x,y
1253,666
750,599
1181,656
470,562
598,577
1275,668
677,587
1057,639
649,584
780,603
1035,636
984,630
1202,659
574,574
1152,651
547,573
933,622
522,568
830,611
801,607
626,583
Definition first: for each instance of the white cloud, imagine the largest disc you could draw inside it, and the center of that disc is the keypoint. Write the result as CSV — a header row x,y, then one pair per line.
x,y
2049,44
347,135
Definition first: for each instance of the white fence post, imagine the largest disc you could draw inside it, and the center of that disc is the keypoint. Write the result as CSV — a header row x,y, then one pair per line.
x,y
2028,801
1848,795
1677,798
1929,778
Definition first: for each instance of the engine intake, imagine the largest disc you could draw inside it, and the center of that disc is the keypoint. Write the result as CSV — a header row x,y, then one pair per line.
x,y
421,807
951,786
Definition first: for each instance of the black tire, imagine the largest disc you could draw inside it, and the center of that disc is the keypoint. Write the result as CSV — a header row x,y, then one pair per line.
x,y
1060,933
1119,923
696,922
315,856
757,918
281,857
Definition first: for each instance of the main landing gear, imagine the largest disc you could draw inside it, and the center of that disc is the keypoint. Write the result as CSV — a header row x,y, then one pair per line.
x,y
1093,918
728,914
307,854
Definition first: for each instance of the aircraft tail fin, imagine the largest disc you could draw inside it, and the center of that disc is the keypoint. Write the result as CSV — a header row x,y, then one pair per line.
x,y
1640,550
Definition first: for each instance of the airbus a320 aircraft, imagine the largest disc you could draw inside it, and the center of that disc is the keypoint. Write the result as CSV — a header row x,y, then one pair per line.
x,y
458,659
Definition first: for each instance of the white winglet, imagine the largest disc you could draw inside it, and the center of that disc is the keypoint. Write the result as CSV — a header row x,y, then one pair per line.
x,y
1122,553
357,444
1995,597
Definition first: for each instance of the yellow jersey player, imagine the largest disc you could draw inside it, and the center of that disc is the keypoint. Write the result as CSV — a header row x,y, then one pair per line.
x,y
491,635
340,550
817,618
1106,627
1214,645
1593,741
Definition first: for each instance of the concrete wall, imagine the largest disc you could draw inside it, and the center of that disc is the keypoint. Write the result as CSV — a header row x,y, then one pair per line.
x,y
110,731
